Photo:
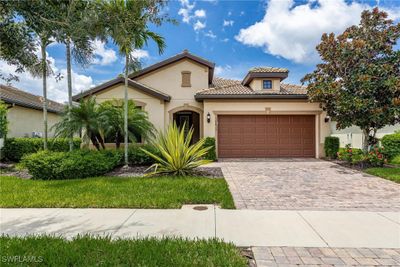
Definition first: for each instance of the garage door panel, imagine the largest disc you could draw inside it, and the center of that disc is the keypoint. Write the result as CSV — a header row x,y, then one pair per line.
x,y
266,136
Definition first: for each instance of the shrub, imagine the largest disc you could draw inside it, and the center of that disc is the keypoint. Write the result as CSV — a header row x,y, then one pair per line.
x,y
211,153
391,143
350,155
331,146
396,160
375,157
138,157
15,148
177,156
48,165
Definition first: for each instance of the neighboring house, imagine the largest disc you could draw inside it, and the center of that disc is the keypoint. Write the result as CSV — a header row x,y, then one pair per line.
x,y
259,116
25,113
354,136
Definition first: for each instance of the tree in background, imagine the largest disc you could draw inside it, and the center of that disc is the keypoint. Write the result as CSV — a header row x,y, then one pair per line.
x,y
17,43
358,81
139,125
126,22
77,31
38,18
3,120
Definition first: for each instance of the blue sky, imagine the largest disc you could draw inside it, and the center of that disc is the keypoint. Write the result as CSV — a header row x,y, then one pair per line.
x,y
236,35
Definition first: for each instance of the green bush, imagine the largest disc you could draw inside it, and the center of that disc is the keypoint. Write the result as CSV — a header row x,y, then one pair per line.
x,y
396,160
138,157
351,155
211,154
391,143
15,148
177,155
331,146
48,165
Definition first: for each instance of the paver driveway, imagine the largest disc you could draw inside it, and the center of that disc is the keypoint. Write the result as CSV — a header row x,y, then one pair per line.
x,y
306,184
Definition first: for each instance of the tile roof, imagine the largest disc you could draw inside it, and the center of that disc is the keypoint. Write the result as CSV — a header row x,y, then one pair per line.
x,y
184,54
18,97
268,69
144,88
221,87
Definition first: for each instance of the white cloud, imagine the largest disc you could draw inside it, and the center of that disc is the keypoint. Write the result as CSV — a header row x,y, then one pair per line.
x,y
293,32
210,34
230,13
140,53
222,70
186,10
228,23
55,90
225,40
242,13
103,56
200,13
199,25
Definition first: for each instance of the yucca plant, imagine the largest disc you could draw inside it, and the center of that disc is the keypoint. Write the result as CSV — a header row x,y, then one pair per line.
x,y
178,156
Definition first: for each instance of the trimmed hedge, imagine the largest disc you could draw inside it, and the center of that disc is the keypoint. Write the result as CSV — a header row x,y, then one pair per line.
x,y
48,165
211,154
331,146
138,157
15,148
391,143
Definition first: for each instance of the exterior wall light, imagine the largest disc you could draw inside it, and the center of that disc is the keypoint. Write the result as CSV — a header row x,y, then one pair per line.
x,y
327,118
208,117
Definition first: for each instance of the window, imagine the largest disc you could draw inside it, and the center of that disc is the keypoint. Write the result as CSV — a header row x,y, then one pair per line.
x,y
267,84
186,79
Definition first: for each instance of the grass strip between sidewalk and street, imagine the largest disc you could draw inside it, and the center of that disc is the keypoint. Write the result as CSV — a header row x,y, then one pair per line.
x,y
104,251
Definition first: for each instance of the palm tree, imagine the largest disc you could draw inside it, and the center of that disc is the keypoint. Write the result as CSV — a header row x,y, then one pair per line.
x,y
126,23
84,118
139,126
77,32
39,18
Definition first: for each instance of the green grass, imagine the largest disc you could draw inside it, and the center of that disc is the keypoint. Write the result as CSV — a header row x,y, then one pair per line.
x,y
392,174
114,192
90,251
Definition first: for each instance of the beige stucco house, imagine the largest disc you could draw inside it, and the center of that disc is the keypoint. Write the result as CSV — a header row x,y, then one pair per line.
x,y
25,112
259,116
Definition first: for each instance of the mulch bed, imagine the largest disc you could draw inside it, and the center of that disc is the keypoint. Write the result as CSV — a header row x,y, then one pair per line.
x,y
139,171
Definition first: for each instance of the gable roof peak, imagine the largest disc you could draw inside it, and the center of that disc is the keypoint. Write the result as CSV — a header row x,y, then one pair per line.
x,y
185,54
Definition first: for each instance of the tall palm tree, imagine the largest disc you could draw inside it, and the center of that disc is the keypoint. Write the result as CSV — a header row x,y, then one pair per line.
x,y
39,17
77,33
126,22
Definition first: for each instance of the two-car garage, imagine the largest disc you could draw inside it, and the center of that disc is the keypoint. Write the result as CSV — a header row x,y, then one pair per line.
x,y
266,136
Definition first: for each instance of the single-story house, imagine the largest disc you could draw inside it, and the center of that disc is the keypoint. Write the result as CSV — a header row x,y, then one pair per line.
x,y
258,116
25,113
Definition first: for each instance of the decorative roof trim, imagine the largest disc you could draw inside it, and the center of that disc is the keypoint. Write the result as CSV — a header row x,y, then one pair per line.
x,y
135,84
183,55
251,75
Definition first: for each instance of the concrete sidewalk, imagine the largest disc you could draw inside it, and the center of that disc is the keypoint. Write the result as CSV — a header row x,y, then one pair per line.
x,y
242,227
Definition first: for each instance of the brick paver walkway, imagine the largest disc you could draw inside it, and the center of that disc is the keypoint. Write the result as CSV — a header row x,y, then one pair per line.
x,y
299,256
306,184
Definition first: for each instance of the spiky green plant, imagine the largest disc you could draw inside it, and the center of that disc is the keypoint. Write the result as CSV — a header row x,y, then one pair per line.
x,y
178,156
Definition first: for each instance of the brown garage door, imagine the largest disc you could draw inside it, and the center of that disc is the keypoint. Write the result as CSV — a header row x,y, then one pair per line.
x,y
246,136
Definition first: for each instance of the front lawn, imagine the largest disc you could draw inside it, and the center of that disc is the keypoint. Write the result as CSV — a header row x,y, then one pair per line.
x,y
392,174
90,251
114,192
